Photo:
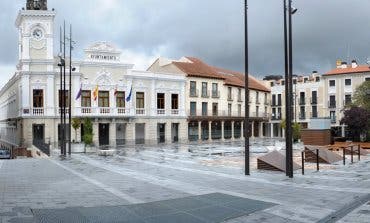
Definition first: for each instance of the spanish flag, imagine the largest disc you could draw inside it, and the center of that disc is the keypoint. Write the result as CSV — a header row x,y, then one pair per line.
x,y
95,93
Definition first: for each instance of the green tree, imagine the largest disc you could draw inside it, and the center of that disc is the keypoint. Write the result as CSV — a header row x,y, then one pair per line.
x,y
362,95
356,119
76,123
88,132
296,128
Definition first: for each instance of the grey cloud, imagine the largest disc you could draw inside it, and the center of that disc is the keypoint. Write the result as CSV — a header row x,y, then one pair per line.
x,y
213,30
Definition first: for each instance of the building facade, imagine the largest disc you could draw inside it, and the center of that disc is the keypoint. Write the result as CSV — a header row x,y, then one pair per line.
x,y
215,100
126,106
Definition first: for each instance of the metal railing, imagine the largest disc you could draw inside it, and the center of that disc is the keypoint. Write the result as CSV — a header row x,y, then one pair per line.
x,y
332,104
194,93
313,101
205,94
215,94
41,145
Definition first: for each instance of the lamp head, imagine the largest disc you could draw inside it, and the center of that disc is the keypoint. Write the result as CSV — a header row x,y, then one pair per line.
x,y
293,10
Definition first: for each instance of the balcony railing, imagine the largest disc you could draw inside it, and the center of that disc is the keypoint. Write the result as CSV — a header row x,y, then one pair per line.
x,y
240,98
38,111
276,116
332,104
205,94
121,110
302,116
161,111
105,110
174,111
59,110
230,97
140,111
313,101
333,119
215,94
194,93
302,101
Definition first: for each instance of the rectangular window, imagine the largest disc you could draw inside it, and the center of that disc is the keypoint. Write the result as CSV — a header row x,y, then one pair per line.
x,y
120,99
347,82
314,97
174,101
229,109
305,80
193,108
273,100
239,110
279,113
332,83
214,109
333,117
103,99
86,99
204,108
204,89
282,82
302,98
257,111
317,79
272,84
66,98
279,99
215,93
274,113
314,111
367,79
229,93
295,81
38,98
302,114
347,99
140,100
332,102
257,97
266,100
239,94
160,101
193,88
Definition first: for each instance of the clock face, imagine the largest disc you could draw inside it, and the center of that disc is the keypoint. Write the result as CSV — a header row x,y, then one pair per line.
x,y
37,34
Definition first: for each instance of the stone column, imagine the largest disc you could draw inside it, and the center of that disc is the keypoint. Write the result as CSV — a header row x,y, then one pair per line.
x,y
222,130
112,133
343,131
232,130
282,133
210,130
49,97
130,133
272,130
96,132
242,130
252,130
261,130
199,130
168,132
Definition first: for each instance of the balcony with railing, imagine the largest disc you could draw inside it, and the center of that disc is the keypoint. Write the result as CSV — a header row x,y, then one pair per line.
x,y
276,116
313,101
194,93
38,111
302,101
161,111
205,94
230,97
215,94
59,110
333,119
140,111
332,104
302,115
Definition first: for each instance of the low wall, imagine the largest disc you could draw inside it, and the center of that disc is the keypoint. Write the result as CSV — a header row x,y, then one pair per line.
x,y
316,137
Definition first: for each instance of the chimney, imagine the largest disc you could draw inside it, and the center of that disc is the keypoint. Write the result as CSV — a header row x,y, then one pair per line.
x,y
344,65
354,64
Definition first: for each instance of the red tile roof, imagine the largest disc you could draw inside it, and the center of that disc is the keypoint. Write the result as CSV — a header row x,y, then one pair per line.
x,y
349,70
198,68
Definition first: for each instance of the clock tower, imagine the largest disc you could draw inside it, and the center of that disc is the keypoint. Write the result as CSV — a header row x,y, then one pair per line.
x,y
36,29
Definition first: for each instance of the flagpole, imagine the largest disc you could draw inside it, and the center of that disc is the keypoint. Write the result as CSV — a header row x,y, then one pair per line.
x,y
70,90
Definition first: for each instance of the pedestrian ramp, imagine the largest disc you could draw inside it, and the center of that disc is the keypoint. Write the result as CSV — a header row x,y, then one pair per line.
x,y
325,155
274,161
214,207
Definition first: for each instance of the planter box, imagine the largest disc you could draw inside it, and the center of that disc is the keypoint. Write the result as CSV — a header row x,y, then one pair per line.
x,y
106,152
77,148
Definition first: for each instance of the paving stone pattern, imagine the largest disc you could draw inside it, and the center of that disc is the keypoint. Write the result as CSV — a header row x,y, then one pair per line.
x,y
135,180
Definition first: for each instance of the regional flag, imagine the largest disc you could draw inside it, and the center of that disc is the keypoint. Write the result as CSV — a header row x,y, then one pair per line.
x,y
95,93
79,93
128,98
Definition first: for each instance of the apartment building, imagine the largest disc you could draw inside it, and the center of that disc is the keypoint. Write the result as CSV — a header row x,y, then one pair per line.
x,y
215,100
339,86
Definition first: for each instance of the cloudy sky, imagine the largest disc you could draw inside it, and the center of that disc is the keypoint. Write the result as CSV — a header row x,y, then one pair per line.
x,y
324,30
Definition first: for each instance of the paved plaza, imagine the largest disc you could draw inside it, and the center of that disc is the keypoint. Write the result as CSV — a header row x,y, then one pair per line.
x,y
148,184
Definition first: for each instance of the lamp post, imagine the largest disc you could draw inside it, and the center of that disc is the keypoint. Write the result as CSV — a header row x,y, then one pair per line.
x,y
288,84
246,94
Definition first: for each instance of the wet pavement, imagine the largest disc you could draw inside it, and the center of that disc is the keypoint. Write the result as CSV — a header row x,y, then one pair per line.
x,y
142,175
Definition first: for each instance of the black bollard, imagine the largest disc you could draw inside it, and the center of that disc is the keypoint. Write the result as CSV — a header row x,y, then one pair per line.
x,y
344,155
359,152
317,160
302,162
351,154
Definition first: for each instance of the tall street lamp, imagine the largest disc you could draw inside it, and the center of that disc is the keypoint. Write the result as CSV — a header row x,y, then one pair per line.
x,y
288,84
246,87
